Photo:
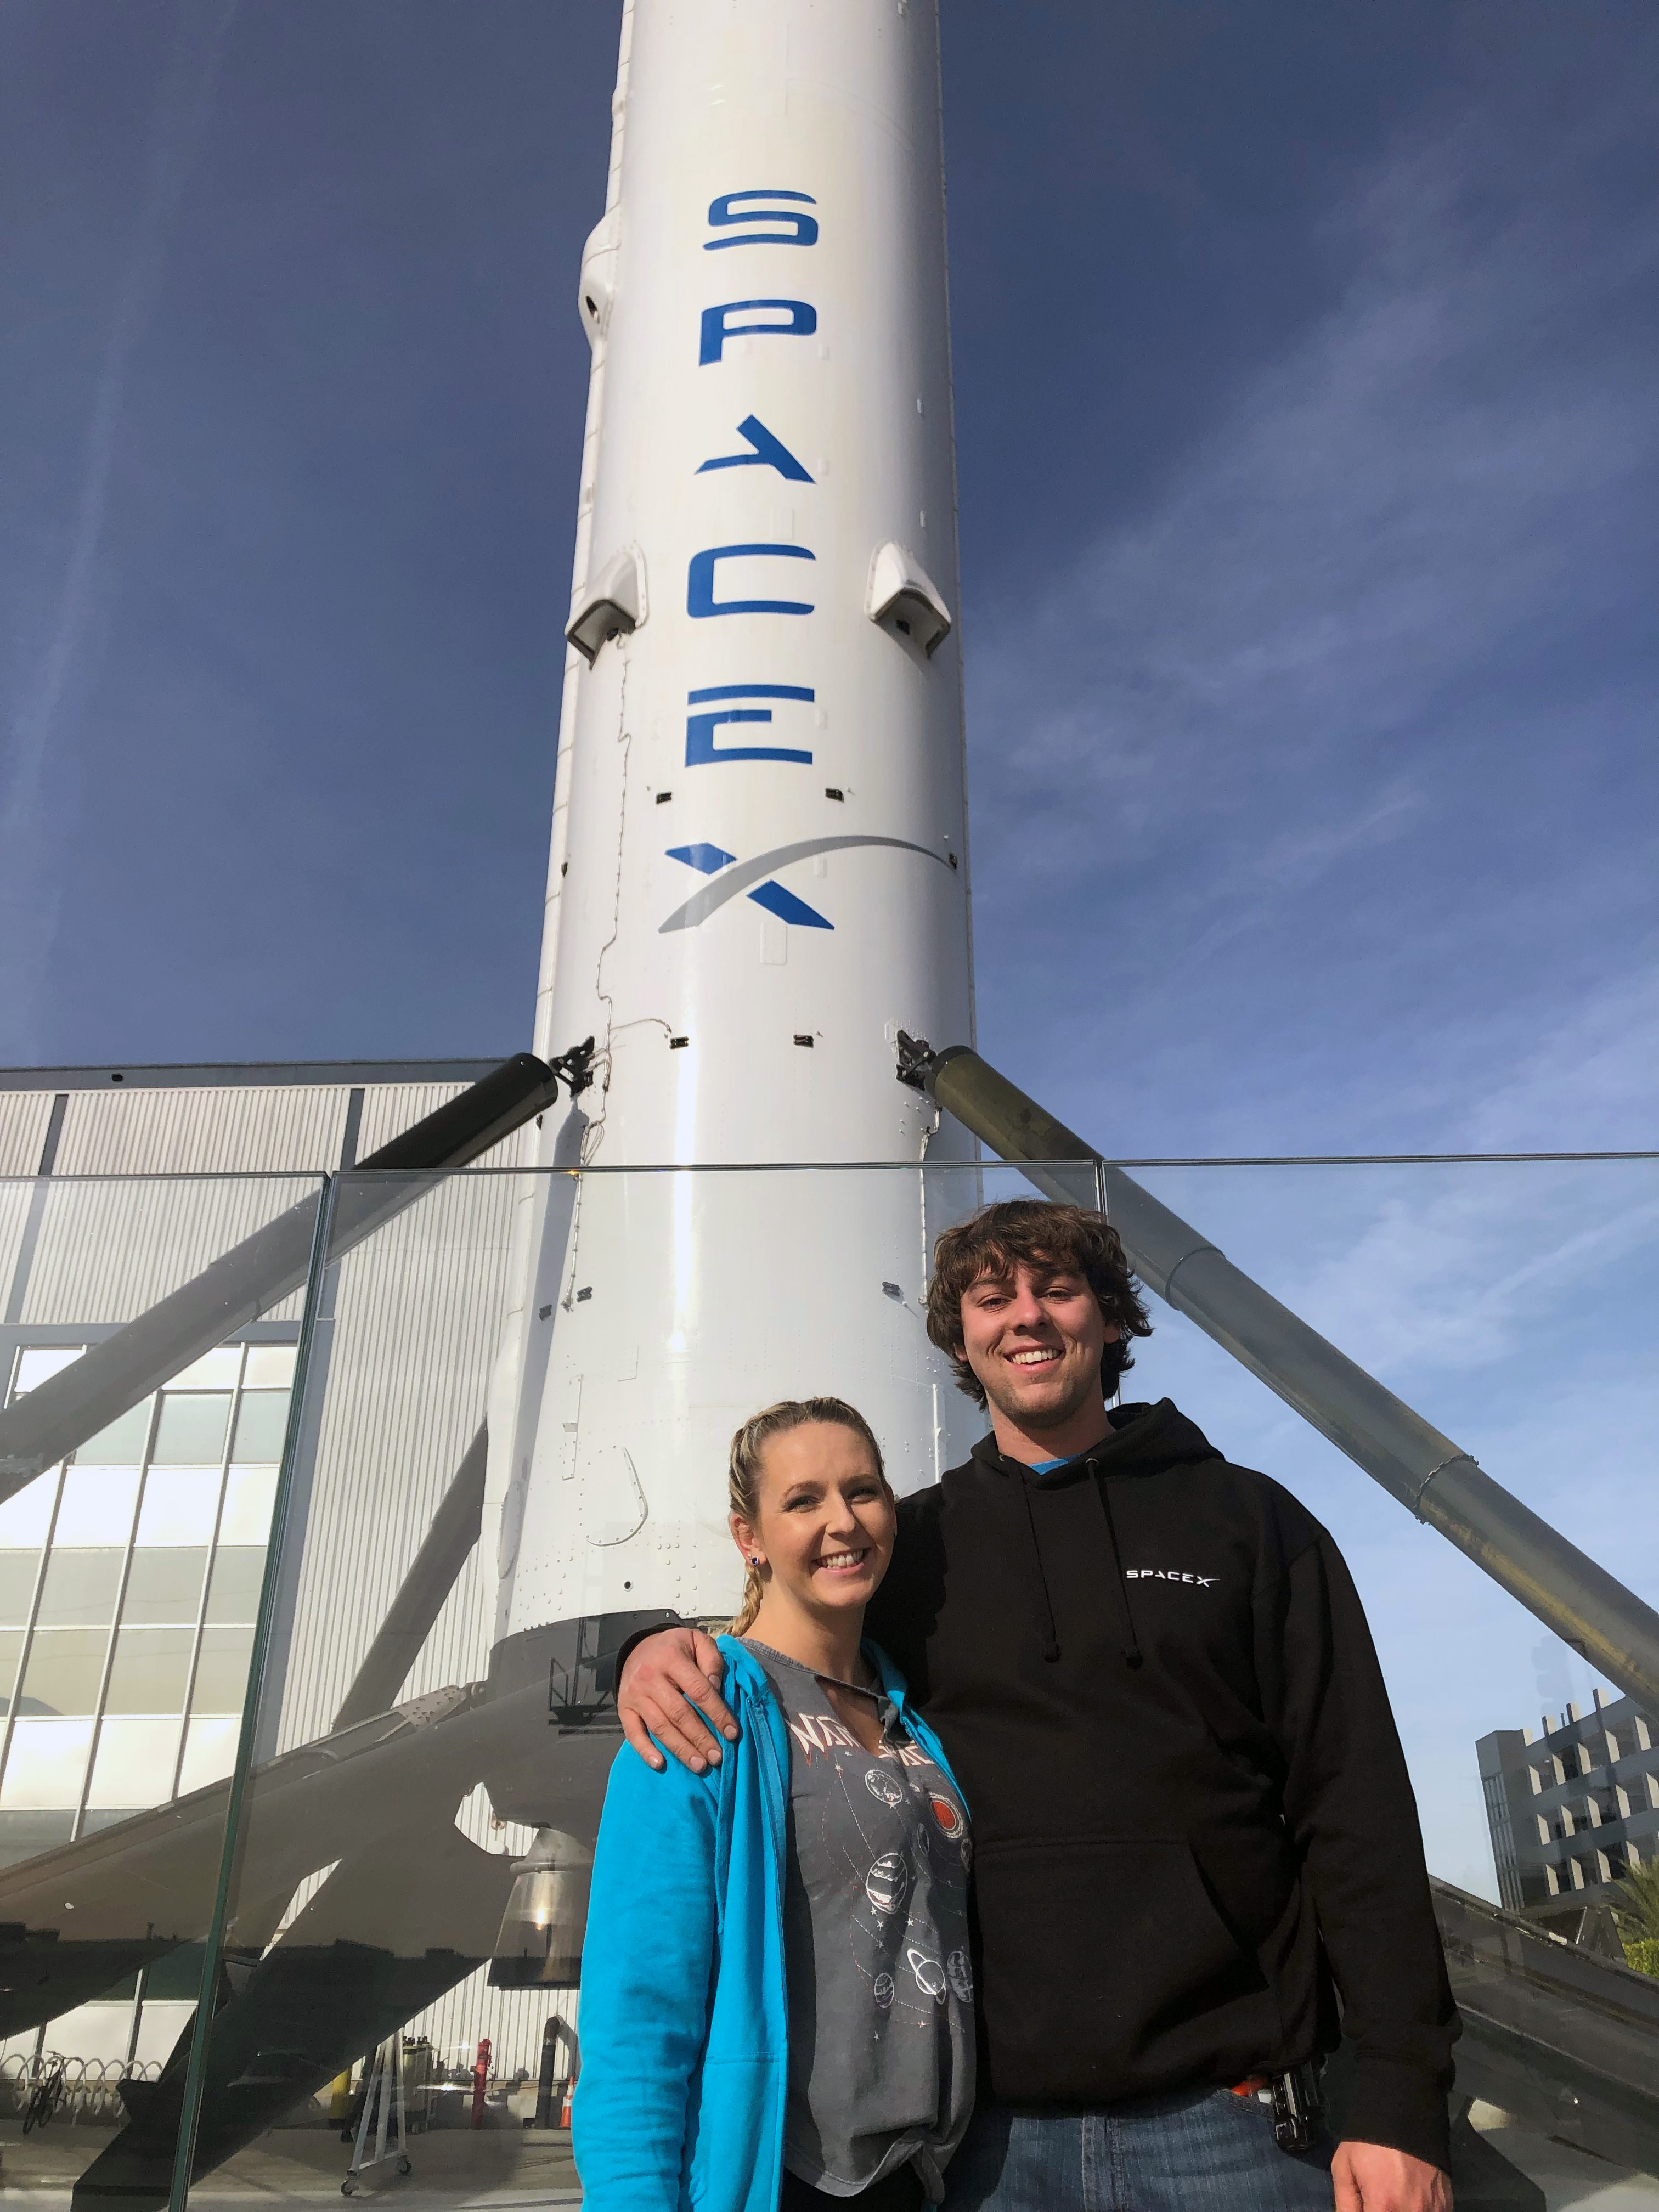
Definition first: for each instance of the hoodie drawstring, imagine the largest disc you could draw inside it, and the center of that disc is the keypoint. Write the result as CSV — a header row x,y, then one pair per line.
x,y
1050,1642
1131,1641
1050,1635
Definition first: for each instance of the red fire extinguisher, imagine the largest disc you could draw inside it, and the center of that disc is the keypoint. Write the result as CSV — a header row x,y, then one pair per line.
x,y
480,2075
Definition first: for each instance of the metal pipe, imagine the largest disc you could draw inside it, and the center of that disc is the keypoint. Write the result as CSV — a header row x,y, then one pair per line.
x,y
1441,1484
254,1276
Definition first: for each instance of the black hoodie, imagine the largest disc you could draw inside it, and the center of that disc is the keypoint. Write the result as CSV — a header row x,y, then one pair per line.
x,y
1190,1809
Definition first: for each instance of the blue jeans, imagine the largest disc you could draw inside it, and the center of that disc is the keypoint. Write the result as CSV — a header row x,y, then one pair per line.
x,y
1202,2150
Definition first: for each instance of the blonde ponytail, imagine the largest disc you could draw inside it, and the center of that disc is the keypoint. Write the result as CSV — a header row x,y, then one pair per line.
x,y
744,1474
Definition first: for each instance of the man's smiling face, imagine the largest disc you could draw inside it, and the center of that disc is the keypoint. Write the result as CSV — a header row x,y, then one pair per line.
x,y
1033,1338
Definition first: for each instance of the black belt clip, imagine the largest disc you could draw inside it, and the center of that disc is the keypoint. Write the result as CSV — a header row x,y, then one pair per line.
x,y
1297,2107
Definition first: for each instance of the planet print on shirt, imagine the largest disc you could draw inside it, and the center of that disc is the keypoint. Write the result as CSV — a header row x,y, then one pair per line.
x,y
888,1882
948,1816
930,1975
876,1921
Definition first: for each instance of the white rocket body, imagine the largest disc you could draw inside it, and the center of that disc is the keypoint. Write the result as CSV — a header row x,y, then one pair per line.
x,y
760,865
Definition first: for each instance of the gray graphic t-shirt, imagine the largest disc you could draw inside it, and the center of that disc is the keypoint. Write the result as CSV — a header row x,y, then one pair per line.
x,y
881,2023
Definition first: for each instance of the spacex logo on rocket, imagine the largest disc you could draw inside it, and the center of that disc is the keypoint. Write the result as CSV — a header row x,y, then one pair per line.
x,y
741,579
751,213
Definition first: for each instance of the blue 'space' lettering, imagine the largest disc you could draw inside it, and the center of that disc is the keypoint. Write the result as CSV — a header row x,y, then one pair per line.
x,y
724,214
700,600
766,451
702,751
802,321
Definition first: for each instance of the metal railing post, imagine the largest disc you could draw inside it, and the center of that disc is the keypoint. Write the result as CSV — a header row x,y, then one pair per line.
x,y
195,2072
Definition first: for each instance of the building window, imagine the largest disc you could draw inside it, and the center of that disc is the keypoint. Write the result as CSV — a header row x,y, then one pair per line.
x,y
129,1580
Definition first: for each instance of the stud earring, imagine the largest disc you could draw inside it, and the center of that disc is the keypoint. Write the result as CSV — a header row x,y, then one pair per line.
x,y
754,1559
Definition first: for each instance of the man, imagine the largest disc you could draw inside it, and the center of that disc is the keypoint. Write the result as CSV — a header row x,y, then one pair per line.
x,y
1192,1816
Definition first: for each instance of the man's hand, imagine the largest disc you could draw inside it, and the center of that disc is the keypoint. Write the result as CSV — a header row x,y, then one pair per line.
x,y
675,1665
1370,2177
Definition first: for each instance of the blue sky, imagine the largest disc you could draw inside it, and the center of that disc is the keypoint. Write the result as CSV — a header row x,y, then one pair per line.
x,y
1309,441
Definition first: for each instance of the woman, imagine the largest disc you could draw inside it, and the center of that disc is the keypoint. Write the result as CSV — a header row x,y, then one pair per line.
x,y
777,2009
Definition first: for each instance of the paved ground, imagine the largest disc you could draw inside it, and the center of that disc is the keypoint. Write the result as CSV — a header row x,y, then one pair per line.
x,y
1571,2181
501,2168
506,2170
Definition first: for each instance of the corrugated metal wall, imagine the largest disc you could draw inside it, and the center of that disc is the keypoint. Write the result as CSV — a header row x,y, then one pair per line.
x,y
14,1214
23,1118
389,1108
277,1130
416,1316
107,1250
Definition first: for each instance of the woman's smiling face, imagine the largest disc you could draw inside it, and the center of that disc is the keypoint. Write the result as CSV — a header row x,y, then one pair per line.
x,y
825,1519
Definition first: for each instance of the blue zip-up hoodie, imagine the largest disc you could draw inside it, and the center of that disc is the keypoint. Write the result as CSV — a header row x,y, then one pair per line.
x,y
685,2011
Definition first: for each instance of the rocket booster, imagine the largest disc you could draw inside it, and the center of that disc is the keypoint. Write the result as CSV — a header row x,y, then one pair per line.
x,y
759,868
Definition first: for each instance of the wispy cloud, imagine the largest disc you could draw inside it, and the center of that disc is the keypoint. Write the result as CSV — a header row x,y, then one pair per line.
x,y
31,872
1385,506
1329,682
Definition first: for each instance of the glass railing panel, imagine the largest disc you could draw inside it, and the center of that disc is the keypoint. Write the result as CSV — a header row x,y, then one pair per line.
x,y
407,1885
392,1869
140,1436
1512,1305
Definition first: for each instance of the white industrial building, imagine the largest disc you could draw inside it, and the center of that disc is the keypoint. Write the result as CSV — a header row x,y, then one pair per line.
x,y
129,1577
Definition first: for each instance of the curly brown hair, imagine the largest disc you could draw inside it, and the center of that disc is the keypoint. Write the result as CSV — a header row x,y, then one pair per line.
x,y
1030,1230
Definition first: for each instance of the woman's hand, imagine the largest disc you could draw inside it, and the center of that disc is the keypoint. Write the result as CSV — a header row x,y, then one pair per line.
x,y
670,1684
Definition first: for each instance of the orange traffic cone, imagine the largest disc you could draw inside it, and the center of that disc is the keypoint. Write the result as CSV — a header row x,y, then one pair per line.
x,y
569,2091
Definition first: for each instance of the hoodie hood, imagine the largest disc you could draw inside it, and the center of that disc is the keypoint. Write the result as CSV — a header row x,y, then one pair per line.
x,y
1137,1439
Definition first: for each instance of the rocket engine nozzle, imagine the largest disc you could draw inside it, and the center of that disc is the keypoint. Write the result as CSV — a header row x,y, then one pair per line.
x,y
540,1943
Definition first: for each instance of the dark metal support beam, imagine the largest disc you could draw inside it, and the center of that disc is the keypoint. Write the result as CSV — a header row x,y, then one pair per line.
x,y
421,1594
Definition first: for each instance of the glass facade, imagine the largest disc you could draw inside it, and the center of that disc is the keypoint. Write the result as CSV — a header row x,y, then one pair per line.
x,y
308,1686
131,1576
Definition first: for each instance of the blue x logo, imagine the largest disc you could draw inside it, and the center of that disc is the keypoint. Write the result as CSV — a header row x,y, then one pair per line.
x,y
709,859
732,877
